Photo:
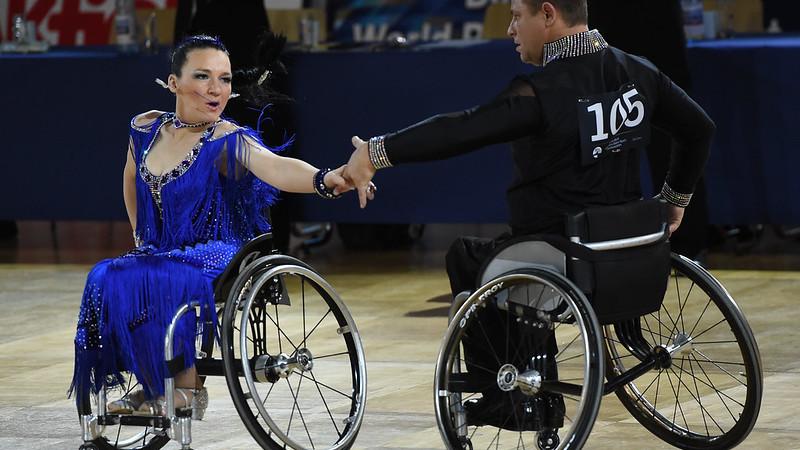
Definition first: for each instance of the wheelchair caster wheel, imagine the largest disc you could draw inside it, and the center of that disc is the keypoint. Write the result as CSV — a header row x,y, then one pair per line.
x,y
547,440
88,447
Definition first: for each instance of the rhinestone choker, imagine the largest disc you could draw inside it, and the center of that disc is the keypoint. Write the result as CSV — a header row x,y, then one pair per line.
x,y
178,123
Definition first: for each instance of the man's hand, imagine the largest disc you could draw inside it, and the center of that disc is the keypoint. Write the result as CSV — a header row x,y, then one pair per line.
x,y
674,217
359,171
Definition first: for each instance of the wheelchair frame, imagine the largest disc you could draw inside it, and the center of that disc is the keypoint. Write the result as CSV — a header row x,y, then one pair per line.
x,y
255,280
540,262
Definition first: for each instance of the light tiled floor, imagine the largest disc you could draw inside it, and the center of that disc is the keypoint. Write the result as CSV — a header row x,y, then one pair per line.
x,y
400,315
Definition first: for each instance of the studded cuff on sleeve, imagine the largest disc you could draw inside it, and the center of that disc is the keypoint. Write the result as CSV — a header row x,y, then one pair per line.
x,y
377,153
675,198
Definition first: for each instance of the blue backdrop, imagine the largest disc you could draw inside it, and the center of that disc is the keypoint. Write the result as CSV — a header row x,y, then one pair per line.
x,y
66,117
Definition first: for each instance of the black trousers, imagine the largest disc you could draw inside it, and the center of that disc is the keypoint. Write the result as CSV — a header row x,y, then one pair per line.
x,y
465,258
467,254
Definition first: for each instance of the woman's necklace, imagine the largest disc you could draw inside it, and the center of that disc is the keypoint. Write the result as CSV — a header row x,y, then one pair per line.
x,y
178,123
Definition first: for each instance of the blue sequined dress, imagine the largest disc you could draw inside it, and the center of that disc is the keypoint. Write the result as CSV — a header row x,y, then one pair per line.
x,y
192,220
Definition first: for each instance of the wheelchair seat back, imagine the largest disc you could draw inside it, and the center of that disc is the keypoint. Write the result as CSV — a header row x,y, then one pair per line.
x,y
629,276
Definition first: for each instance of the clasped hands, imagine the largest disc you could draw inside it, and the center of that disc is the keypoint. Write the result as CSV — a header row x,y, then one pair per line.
x,y
356,174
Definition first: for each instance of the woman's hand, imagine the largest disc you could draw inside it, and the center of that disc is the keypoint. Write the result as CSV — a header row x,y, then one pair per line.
x,y
334,180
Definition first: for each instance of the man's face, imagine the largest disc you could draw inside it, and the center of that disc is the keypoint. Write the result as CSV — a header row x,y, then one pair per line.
x,y
528,31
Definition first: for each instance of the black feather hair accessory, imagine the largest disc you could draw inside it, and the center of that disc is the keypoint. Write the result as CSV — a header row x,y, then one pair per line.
x,y
254,84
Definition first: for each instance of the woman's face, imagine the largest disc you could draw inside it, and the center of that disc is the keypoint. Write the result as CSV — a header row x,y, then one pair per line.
x,y
204,86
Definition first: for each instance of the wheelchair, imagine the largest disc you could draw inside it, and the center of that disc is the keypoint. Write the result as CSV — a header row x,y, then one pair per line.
x,y
556,324
290,353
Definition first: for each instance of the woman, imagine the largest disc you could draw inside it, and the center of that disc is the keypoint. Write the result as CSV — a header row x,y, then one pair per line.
x,y
195,187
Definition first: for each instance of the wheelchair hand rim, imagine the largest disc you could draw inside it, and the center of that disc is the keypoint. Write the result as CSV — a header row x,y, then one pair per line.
x,y
250,379
517,277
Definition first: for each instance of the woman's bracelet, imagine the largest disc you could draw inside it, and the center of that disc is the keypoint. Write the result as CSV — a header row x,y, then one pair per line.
x,y
320,188
675,198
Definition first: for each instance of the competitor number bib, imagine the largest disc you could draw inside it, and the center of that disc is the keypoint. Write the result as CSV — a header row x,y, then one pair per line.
x,y
612,122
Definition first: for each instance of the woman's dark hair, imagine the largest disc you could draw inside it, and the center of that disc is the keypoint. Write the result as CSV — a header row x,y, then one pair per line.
x,y
200,41
253,83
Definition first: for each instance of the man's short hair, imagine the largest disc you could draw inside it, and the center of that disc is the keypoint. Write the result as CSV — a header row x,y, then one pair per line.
x,y
573,11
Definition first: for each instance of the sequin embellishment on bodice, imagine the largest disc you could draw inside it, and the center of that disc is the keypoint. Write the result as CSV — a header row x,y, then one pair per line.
x,y
157,182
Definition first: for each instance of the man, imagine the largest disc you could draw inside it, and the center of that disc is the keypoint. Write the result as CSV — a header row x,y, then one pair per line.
x,y
576,126
568,148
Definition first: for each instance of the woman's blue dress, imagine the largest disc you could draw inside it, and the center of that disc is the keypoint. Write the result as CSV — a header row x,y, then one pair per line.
x,y
191,220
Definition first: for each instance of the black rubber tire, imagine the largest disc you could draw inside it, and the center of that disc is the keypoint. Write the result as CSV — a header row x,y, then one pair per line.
x,y
585,320
685,280
265,437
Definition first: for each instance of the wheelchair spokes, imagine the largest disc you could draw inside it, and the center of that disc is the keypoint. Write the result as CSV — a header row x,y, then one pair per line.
x,y
710,393
302,362
518,367
291,357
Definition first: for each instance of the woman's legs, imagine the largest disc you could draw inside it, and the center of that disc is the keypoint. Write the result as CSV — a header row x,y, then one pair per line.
x,y
187,383
146,290
188,379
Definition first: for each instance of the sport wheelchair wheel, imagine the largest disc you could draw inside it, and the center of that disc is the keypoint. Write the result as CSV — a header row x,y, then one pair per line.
x,y
115,431
293,358
520,366
710,394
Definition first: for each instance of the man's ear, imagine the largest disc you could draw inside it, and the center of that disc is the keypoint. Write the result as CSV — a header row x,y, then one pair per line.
x,y
550,12
172,83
